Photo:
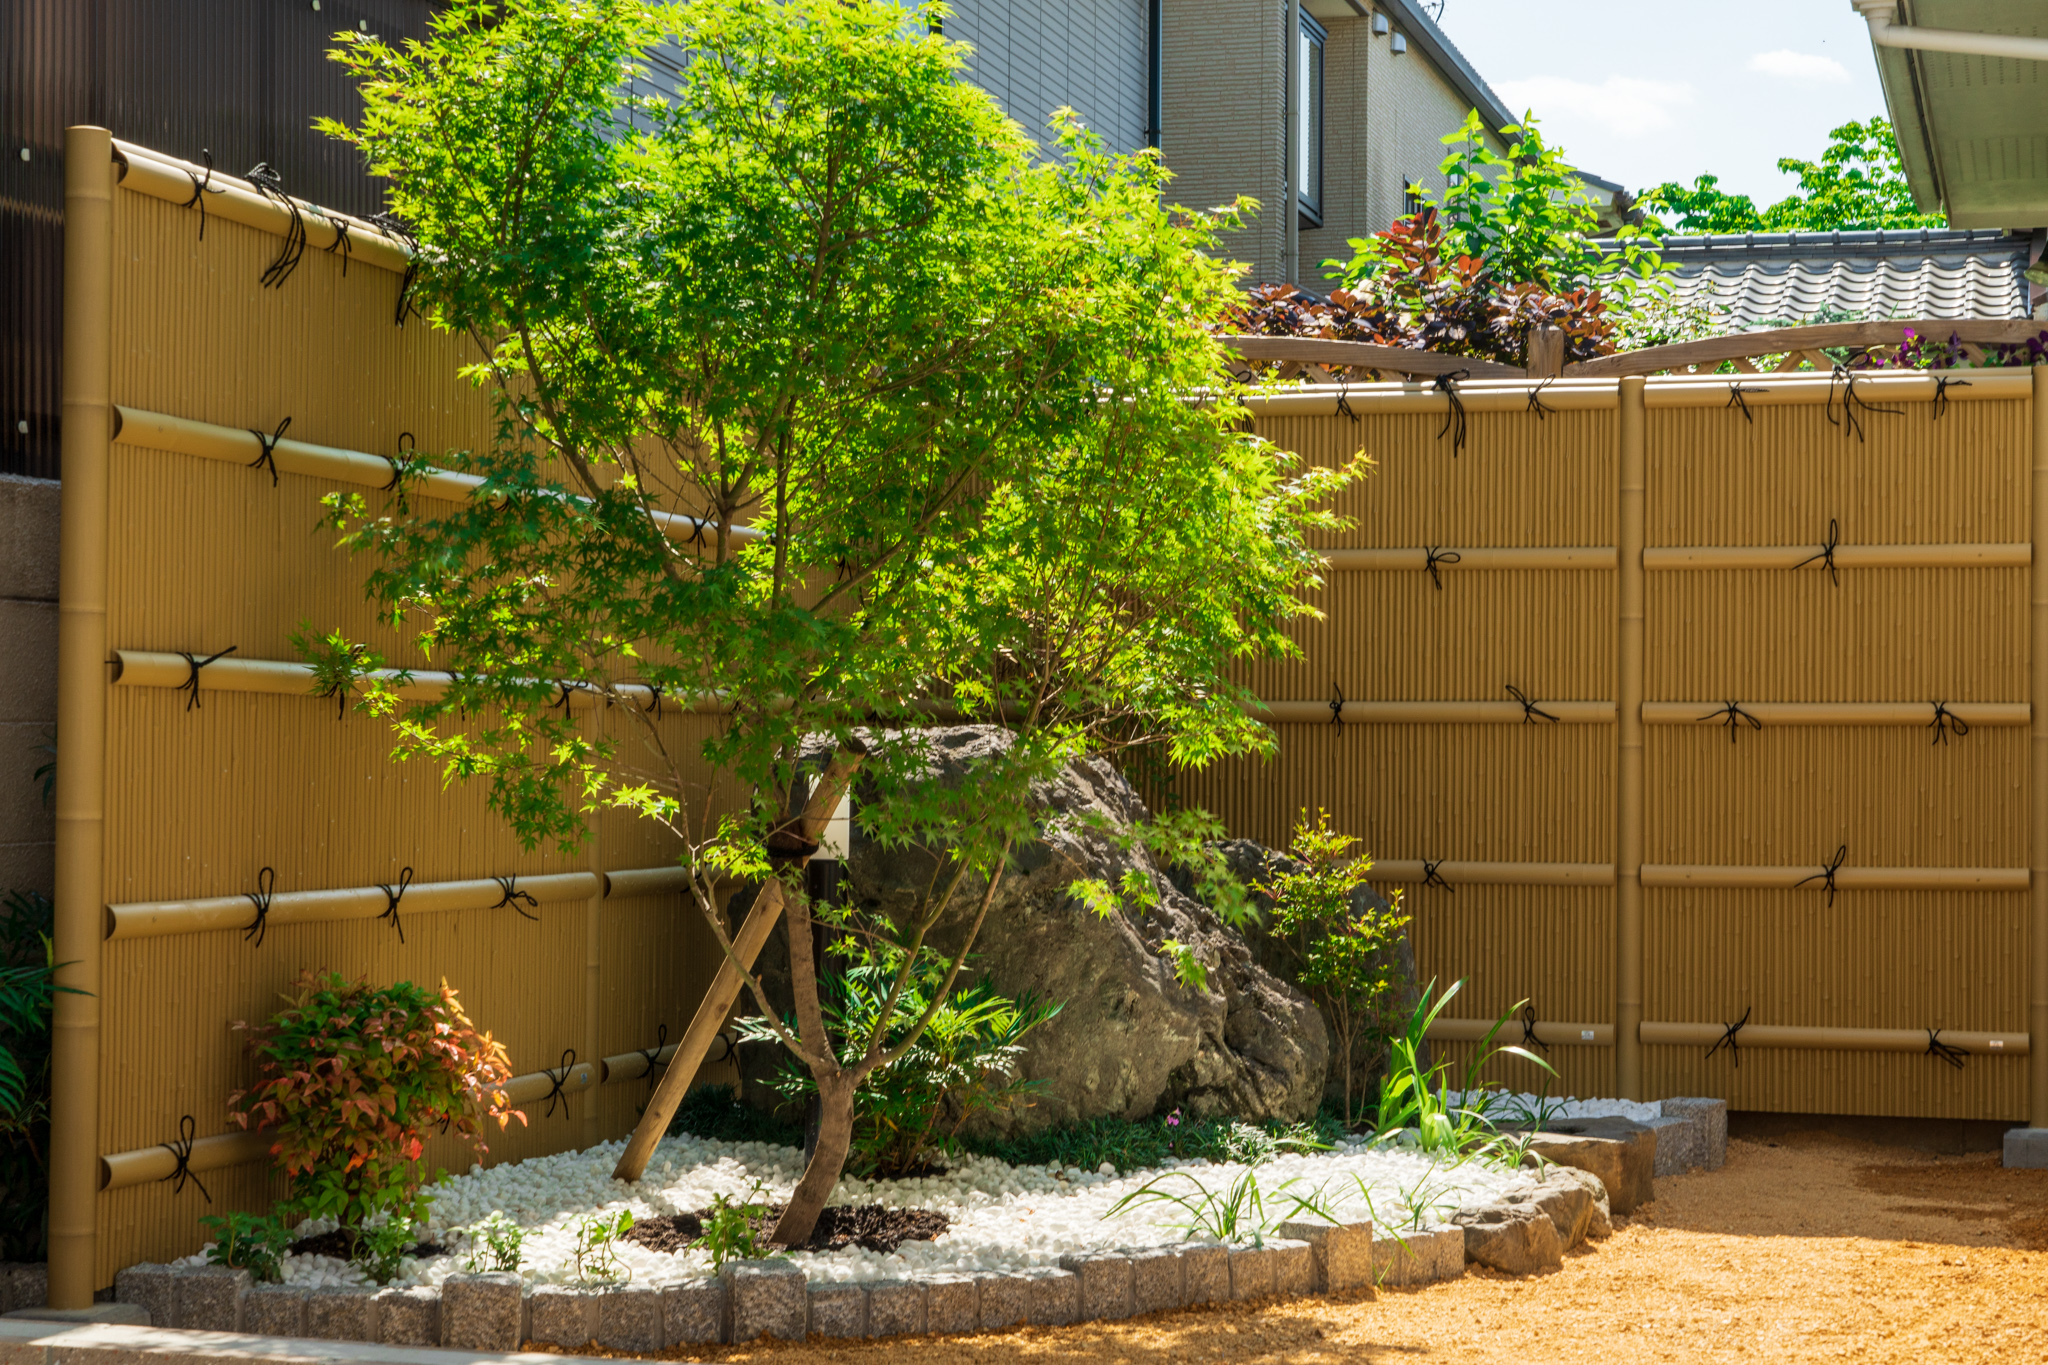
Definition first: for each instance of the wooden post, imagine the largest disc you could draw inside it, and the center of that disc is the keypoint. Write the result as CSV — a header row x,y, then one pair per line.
x,y
82,682
1545,357
2037,1019
726,985
593,960
1628,784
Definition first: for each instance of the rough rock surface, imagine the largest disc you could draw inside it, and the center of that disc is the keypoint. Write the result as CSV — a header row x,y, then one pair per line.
x,y
1515,1238
1621,1152
1131,1040
1565,1201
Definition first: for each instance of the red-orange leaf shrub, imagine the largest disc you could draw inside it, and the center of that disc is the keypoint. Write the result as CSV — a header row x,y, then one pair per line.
x,y
352,1078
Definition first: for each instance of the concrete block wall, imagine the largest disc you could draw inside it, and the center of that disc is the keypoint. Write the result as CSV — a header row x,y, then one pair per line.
x,y
28,678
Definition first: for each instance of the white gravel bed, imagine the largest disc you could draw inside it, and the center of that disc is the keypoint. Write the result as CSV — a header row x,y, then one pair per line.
x,y
1500,1104
1003,1217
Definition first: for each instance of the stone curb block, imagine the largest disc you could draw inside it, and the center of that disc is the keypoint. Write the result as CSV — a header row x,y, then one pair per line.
x,y
1106,1285
952,1303
23,1284
342,1313
484,1312
1156,1279
208,1298
693,1312
895,1307
838,1310
2026,1149
1294,1267
562,1315
629,1318
1711,1116
1342,1253
1252,1273
1005,1300
766,1298
405,1317
147,1285
279,1310
1055,1296
1205,1275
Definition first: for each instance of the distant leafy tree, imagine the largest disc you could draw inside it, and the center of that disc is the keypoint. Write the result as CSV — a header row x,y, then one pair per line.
x,y
1858,183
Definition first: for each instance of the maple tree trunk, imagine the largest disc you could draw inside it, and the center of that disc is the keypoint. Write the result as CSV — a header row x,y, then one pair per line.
x,y
835,1139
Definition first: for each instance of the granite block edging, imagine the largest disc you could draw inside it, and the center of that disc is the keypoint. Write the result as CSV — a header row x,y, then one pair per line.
x,y
494,1312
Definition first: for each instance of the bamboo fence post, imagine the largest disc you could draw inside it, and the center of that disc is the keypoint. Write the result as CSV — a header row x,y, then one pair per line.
x,y
81,709
2037,1060
1628,695
593,955
725,986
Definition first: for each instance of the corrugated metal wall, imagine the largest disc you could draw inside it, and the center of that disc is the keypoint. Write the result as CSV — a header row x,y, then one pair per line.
x,y
1787,795
206,554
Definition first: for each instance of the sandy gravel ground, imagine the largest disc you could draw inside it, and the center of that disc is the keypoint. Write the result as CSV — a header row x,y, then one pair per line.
x,y
1809,1248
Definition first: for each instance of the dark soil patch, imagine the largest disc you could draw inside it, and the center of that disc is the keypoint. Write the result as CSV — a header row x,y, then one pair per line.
x,y
341,1247
870,1226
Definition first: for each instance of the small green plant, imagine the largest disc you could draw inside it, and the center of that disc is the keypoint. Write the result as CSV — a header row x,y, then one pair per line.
x,y
1416,1096
380,1251
730,1233
597,1248
1241,1210
495,1243
1345,958
255,1242
718,1113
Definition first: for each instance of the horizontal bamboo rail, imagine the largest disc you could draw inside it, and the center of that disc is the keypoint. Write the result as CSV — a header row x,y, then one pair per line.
x,y
1428,712
1676,557
124,1170
1547,1031
231,197
1993,713
236,445
1365,355
1834,1039
1447,557
1845,878
1474,395
1742,346
159,919
1388,871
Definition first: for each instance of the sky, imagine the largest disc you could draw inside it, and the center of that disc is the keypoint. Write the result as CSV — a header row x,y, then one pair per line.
x,y
1659,90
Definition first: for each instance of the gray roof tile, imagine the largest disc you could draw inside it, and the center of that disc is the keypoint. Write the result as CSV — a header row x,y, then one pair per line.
x,y
1767,279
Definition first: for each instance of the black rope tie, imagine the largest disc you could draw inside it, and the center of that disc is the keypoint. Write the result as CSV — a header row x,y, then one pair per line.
x,y
341,243
1430,878
1336,705
1827,552
389,223
1530,710
270,185
725,1055
1431,557
653,1055
181,1148
1947,1052
191,683
1941,387
556,1076
569,689
202,188
1827,873
1737,400
266,883
513,896
1535,403
1447,385
1729,1040
1945,721
400,466
654,708
1529,1028
1733,716
392,897
1850,402
268,459
1343,406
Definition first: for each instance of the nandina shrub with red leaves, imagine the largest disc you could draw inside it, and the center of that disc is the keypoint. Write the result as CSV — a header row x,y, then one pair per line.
x,y
353,1078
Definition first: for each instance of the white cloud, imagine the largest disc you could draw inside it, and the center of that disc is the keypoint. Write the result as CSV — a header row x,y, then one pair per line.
x,y
1625,106
1799,66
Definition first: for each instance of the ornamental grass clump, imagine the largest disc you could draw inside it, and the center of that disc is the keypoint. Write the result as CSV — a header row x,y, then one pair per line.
x,y
352,1079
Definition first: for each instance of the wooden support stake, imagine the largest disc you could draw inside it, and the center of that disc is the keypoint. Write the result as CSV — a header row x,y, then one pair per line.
x,y
1628,762
725,986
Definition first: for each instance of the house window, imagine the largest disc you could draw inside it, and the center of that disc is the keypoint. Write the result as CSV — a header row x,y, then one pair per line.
x,y
1309,131
1411,199
1155,26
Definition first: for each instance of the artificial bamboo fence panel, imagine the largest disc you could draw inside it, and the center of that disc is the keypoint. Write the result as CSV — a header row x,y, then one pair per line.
x,y
251,785
1813,617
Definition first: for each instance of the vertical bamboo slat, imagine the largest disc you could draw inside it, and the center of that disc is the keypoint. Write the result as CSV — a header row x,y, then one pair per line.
x,y
1628,802
2037,1064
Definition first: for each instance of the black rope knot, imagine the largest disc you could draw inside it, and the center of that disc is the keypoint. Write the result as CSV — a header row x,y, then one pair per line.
x,y
1827,873
266,883
1336,705
1947,1052
270,185
1945,721
268,459
1430,878
513,895
181,1148
400,466
392,897
1343,406
1530,710
1536,404
556,1077
1826,554
1942,384
1447,385
390,223
202,188
341,243
1431,557
653,1055
1737,400
191,684
1850,402
1733,716
1729,1040
1529,1028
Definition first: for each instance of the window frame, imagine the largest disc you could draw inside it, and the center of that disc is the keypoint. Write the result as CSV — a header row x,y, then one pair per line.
x,y
1310,44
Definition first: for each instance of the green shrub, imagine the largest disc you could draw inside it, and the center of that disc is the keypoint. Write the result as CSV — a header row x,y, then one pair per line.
x,y
1416,1096
1131,1145
27,990
495,1243
717,1114
732,1232
351,1081
255,1242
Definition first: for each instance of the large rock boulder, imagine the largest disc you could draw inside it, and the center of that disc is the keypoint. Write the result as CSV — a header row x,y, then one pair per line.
x,y
1621,1152
1516,1238
1131,1039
